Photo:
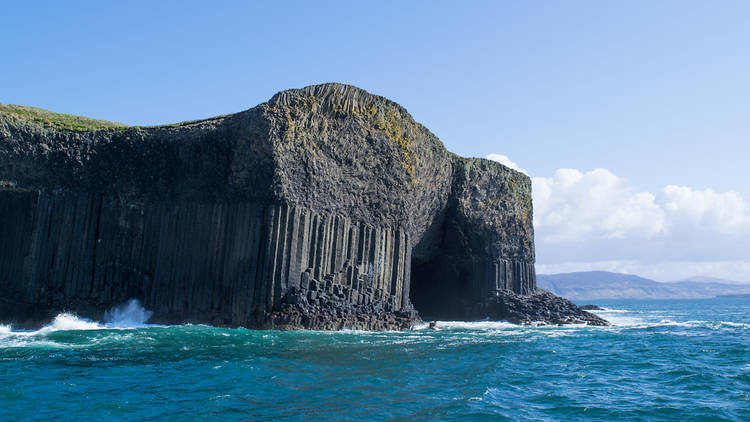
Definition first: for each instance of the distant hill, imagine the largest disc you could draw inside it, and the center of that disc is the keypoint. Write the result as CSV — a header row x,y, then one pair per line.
x,y
704,279
592,285
739,296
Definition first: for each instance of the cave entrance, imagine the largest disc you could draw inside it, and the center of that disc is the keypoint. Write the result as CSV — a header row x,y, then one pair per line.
x,y
441,283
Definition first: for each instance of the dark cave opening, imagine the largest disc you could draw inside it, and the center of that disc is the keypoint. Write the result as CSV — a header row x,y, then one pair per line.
x,y
437,291
441,284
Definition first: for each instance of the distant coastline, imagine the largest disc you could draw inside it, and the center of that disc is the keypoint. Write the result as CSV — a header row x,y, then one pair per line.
x,y
735,296
601,285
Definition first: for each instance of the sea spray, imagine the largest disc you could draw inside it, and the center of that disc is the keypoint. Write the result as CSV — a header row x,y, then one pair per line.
x,y
129,315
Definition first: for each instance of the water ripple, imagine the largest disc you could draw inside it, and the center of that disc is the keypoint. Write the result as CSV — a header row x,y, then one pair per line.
x,y
660,360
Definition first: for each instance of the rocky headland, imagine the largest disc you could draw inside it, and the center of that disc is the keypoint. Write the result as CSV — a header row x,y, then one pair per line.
x,y
324,208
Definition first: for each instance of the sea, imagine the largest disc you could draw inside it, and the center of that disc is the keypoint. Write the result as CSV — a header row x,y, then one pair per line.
x,y
683,360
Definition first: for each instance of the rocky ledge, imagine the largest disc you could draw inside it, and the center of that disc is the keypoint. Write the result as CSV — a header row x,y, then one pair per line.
x,y
540,307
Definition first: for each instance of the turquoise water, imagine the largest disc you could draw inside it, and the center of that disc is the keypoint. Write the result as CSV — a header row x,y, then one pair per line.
x,y
663,360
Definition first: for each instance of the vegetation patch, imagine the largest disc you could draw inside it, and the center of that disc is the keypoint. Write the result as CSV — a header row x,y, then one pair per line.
x,y
391,122
56,120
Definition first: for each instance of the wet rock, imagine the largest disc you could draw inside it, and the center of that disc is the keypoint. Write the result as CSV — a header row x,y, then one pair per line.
x,y
539,307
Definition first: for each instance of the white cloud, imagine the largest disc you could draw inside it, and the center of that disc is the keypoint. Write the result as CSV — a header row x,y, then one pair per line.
x,y
504,160
725,213
596,220
572,205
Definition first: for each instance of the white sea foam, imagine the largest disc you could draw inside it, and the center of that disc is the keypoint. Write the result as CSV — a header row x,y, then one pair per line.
x,y
5,331
612,310
735,324
497,327
621,317
633,319
130,315
466,325
623,321
70,322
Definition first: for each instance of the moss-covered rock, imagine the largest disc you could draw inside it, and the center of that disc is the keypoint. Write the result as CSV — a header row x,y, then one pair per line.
x,y
38,116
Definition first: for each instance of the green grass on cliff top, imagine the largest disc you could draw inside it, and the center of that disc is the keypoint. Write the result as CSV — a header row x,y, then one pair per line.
x,y
56,120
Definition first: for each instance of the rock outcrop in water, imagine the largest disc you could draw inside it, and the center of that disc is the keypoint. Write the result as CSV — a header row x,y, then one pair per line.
x,y
324,208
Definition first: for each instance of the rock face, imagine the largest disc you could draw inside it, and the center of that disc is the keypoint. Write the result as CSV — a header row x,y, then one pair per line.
x,y
324,208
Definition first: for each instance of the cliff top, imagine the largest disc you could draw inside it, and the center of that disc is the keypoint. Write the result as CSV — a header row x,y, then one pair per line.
x,y
58,121
336,97
333,97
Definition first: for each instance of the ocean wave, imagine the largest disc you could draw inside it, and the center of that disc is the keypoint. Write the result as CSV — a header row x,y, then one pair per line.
x,y
70,322
468,325
721,324
132,315
127,316
623,321
611,310
634,321
700,324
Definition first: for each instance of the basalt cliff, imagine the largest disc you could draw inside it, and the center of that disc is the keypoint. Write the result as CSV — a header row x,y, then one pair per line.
x,y
324,208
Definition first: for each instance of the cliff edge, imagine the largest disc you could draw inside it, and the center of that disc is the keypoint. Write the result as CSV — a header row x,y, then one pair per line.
x,y
324,208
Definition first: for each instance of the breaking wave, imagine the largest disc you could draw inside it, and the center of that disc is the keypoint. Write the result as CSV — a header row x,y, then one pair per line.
x,y
621,318
129,315
467,325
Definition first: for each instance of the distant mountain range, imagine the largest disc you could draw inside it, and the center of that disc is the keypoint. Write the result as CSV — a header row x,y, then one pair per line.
x,y
592,285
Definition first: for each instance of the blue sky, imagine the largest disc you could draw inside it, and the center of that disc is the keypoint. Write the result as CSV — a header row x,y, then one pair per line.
x,y
656,93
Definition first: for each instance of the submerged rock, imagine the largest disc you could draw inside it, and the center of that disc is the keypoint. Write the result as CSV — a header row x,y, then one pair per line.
x,y
324,208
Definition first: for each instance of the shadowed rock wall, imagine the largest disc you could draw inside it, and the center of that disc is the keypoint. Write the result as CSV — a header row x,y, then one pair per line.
x,y
223,263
